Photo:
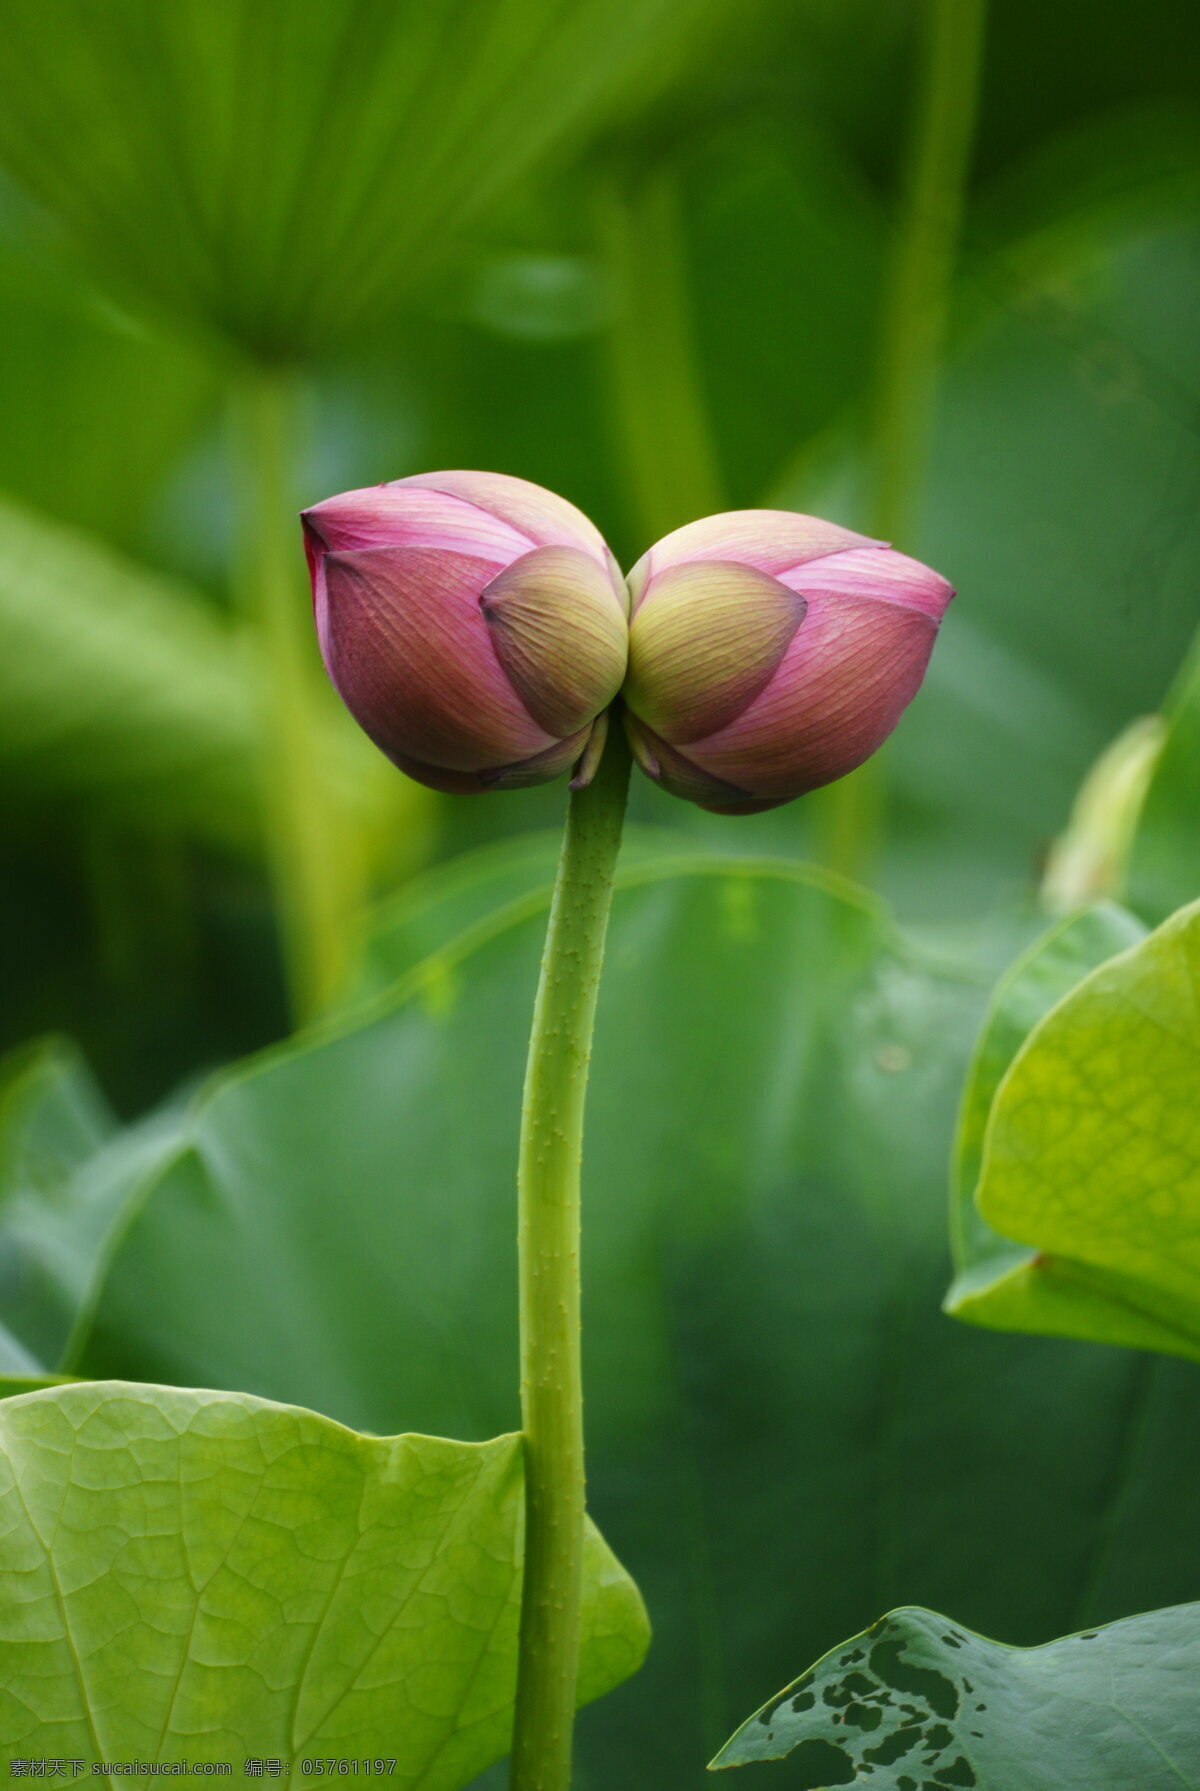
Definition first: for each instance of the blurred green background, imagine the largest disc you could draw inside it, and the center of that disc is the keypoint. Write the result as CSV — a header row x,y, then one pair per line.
x,y
663,263
927,267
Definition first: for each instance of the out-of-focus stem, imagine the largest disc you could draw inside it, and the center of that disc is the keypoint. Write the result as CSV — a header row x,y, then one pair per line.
x,y
548,1242
915,308
922,270
309,869
658,408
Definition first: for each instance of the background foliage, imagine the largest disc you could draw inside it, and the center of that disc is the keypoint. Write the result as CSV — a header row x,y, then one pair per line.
x,y
251,253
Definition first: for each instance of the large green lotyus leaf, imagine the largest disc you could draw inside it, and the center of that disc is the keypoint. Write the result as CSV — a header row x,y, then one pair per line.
x,y
1091,1154
206,1576
775,1078
66,1169
919,1704
454,898
276,169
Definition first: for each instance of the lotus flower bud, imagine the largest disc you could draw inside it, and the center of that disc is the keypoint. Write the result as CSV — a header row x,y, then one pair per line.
x,y
770,653
473,624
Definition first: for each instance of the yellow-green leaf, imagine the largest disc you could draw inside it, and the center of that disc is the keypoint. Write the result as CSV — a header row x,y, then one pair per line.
x,y
207,1576
1091,1159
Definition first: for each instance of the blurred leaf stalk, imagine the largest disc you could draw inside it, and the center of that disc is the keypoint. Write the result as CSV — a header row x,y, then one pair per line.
x,y
913,322
315,843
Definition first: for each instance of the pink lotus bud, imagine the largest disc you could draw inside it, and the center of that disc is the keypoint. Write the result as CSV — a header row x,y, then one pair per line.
x,y
473,624
770,653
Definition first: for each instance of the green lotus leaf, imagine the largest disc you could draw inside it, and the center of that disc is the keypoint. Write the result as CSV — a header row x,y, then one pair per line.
x,y
918,1701
1091,1155
774,1084
206,1576
374,137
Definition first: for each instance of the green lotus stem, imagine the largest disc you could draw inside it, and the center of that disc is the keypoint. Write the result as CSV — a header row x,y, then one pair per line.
x,y
915,310
307,863
658,404
548,1244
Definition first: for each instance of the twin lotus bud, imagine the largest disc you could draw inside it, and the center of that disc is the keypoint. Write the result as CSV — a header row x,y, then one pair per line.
x,y
478,629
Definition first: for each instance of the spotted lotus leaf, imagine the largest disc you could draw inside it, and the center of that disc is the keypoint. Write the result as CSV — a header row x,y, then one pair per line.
x,y
919,1704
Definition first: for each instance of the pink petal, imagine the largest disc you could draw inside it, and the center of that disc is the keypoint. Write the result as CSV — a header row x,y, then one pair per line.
x,y
540,768
769,540
852,667
386,516
408,649
878,572
678,774
542,517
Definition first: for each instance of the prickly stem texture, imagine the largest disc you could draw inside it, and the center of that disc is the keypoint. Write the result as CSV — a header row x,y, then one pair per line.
x,y
548,1184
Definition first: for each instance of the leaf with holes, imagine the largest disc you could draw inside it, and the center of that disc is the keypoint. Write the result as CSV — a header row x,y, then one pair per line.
x,y
919,1704
194,1576
1091,1159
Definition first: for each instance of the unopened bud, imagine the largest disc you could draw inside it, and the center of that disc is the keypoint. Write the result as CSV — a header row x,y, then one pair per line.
x,y
474,625
771,653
